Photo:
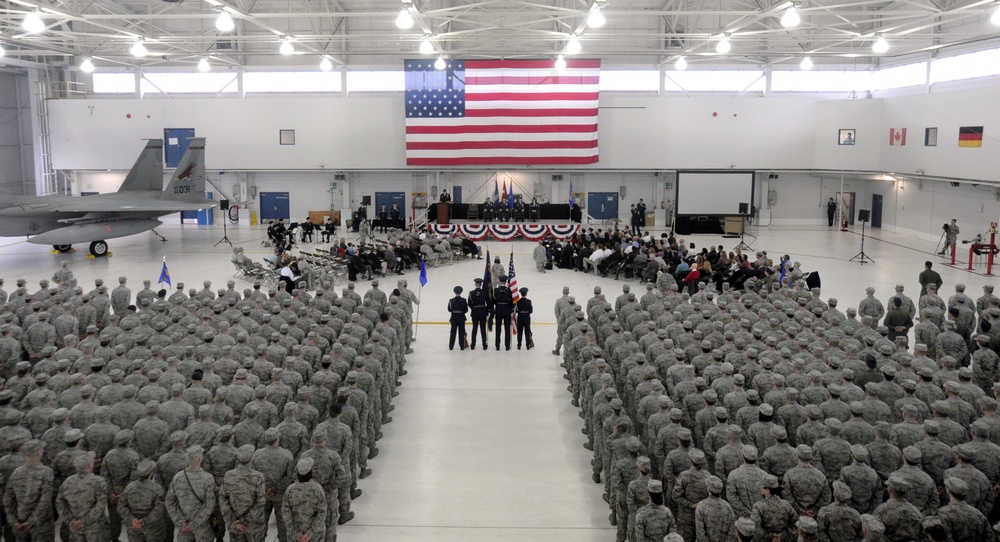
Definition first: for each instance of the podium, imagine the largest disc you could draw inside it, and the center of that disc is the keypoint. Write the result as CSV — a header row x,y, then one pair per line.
x,y
442,213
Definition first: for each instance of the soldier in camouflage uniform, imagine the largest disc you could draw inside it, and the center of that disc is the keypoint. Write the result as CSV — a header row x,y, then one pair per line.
x,y
838,522
117,469
121,297
900,518
962,521
28,497
654,521
806,486
241,499
304,507
689,490
140,507
772,515
82,502
278,467
714,518
190,499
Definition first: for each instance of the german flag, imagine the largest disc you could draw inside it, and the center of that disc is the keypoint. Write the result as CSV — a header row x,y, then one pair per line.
x,y
970,136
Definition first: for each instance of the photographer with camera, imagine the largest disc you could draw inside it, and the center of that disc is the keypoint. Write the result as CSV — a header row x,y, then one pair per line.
x,y
950,235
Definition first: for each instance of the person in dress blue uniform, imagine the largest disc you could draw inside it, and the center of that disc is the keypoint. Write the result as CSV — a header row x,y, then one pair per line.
x,y
523,309
458,308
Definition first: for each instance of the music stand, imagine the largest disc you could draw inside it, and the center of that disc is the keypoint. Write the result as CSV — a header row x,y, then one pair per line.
x,y
864,215
224,206
744,211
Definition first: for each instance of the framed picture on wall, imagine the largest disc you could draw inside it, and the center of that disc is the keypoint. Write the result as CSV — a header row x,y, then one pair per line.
x,y
846,136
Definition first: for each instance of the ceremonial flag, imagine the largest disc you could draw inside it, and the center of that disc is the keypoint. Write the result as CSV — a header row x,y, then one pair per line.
x,y
165,273
487,278
510,196
515,295
897,136
970,136
484,112
571,201
503,197
423,272
496,191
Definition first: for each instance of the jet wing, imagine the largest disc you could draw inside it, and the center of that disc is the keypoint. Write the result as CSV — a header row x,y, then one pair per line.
x,y
120,205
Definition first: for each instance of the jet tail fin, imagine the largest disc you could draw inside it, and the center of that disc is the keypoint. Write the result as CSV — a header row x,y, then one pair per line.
x,y
147,172
188,181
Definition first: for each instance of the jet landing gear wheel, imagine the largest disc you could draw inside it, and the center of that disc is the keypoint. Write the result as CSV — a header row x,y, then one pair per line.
x,y
63,248
98,249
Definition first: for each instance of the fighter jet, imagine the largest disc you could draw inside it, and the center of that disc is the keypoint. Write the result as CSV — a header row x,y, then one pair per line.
x,y
61,221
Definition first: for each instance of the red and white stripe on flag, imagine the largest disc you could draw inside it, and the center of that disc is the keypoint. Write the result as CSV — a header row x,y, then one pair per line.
x,y
517,112
897,136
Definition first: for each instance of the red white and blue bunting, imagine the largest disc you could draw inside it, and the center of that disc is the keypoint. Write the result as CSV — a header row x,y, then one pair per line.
x,y
507,232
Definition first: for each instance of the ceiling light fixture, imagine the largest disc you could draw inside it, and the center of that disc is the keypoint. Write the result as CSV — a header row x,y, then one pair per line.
x,y
724,45
404,20
880,45
33,23
806,64
87,66
138,49
681,63
791,18
325,64
225,22
2,52
204,66
426,46
440,64
995,18
286,46
573,46
560,62
596,18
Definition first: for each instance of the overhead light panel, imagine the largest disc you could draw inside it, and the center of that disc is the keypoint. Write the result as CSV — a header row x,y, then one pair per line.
x,y
87,66
426,46
286,47
681,64
225,22
325,64
204,66
440,64
33,23
806,64
791,18
724,45
404,20
138,49
596,18
2,52
995,18
573,46
560,62
880,45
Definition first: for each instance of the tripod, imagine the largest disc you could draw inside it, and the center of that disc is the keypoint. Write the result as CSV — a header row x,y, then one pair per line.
x,y
861,256
225,236
743,244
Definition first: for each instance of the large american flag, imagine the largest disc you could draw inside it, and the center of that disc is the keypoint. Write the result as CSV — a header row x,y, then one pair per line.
x,y
517,112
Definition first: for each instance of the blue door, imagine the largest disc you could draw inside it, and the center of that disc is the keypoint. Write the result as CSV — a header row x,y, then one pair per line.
x,y
456,194
274,206
204,217
387,199
602,205
175,144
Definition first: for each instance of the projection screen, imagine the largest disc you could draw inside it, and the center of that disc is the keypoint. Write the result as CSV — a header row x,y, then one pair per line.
x,y
713,192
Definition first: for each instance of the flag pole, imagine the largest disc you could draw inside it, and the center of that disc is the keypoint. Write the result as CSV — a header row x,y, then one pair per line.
x,y
417,317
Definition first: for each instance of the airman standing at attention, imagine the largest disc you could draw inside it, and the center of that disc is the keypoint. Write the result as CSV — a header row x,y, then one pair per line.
x,y
140,506
524,310
502,309
121,297
190,499
241,499
479,306
457,308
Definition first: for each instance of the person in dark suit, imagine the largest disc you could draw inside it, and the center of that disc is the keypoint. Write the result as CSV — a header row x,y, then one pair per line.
x,y
445,196
479,304
383,219
396,216
831,210
503,308
458,308
641,209
523,309
533,210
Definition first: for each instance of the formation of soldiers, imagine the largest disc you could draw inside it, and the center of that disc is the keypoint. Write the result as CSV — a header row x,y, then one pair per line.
x,y
767,414
195,414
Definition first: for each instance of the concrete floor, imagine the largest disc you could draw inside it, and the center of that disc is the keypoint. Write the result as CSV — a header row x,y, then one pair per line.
x,y
485,445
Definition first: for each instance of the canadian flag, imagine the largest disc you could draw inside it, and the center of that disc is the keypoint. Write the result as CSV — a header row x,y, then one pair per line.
x,y
897,136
